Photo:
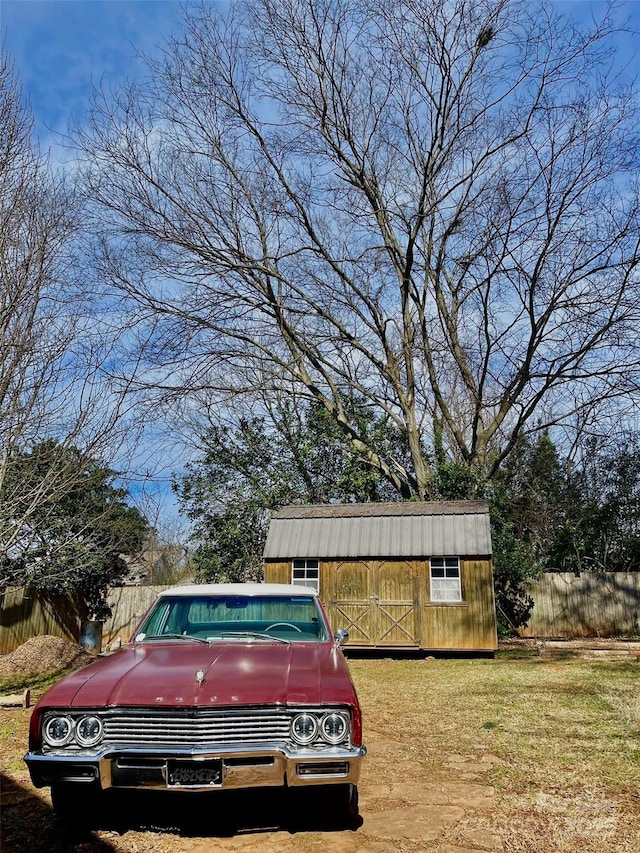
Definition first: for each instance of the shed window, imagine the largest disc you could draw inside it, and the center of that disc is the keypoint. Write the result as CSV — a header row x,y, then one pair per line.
x,y
306,573
445,579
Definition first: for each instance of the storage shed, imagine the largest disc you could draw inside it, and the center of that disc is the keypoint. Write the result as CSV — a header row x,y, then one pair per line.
x,y
395,575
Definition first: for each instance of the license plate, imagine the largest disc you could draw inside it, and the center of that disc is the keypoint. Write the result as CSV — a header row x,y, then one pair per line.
x,y
192,774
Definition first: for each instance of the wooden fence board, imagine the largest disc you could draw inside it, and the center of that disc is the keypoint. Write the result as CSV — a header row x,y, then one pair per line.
x,y
566,605
129,604
26,613
587,605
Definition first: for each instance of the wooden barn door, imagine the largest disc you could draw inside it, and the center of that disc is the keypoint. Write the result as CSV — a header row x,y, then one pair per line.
x,y
376,602
351,601
396,600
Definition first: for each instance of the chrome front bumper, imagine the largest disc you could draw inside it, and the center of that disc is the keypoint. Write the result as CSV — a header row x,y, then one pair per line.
x,y
242,767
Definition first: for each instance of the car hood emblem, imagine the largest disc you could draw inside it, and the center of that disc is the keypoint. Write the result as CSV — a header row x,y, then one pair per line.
x,y
200,676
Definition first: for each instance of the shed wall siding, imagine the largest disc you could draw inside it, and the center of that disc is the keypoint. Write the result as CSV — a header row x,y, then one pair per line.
x,y
386,603
468,625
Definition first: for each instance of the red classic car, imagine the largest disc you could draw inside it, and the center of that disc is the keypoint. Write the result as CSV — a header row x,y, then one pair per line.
x,y
222,686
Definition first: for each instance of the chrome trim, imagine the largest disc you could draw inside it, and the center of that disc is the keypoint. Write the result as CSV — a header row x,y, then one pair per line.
x,y
341,636
275,765
305,740
198,728
47,740
89,743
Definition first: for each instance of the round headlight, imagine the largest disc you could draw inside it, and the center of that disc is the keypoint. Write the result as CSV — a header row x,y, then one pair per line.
x,y
304,728
57,731
89,731
334,727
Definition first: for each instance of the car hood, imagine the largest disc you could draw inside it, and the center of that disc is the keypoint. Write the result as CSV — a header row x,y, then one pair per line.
x,y
182,673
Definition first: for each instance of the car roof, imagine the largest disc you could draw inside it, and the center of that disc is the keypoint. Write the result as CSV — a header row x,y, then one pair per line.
x,y
241,589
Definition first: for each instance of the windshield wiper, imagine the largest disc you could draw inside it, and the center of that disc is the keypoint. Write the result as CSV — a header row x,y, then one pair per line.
x,y
177,637
255,635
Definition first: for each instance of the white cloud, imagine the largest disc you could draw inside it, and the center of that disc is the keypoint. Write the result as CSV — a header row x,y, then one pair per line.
x,y
64,48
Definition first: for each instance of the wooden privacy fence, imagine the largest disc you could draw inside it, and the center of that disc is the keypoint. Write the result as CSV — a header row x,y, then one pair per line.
x,y
592,604
26,613
129,604
566,605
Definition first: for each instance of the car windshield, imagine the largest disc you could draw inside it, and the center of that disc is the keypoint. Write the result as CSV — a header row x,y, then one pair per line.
x,y
292,618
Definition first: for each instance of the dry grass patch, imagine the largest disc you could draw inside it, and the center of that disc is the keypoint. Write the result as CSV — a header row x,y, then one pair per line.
x,y
625,701
561,739
517,755
588,822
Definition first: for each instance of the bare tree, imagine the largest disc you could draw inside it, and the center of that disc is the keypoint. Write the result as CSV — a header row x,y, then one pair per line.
x,y
53,392
433,205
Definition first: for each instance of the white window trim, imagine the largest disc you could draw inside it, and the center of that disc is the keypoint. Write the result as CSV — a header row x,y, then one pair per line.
x,y
447,589
310,570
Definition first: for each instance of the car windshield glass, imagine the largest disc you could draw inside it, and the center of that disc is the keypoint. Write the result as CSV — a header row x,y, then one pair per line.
x,y
295,618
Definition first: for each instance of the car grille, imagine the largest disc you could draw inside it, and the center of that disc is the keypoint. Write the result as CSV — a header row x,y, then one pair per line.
x,y
195,728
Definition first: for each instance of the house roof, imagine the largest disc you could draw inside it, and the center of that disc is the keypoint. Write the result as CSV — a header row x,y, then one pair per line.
x,y
411,529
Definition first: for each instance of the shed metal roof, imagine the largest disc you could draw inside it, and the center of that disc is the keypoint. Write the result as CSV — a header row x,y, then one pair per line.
x,y
370,530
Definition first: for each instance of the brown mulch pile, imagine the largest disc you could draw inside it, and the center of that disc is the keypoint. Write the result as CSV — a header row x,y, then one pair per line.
x,y
44,654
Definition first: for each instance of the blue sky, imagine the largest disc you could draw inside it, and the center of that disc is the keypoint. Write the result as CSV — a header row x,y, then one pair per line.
x,y
63,48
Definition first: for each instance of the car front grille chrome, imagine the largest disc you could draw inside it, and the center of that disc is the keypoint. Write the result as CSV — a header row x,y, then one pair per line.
x,y
195,729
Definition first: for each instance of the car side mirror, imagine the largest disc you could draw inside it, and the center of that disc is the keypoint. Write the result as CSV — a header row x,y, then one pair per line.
x,y
341,636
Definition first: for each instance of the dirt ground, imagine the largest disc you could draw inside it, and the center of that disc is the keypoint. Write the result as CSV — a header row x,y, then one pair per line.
x,y
400,810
